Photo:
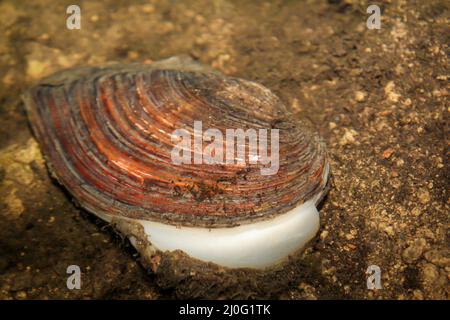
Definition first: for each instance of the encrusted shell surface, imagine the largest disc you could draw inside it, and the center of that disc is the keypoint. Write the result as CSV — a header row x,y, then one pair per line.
x,y
106,135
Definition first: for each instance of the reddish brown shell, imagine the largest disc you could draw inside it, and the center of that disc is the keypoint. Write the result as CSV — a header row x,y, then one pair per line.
x,y
106,135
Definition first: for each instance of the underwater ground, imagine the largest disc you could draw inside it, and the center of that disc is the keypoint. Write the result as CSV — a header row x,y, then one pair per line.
x,y
378,97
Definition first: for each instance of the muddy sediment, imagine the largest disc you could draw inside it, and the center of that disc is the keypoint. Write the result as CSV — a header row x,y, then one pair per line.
x,y
377,97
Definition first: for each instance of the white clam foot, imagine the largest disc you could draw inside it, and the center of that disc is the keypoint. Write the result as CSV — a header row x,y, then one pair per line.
x,y
255,245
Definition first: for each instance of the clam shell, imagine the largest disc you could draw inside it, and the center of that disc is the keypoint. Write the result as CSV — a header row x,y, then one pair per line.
x,y
106,135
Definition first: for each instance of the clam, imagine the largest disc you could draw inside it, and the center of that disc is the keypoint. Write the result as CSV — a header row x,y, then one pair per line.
x,y
109,133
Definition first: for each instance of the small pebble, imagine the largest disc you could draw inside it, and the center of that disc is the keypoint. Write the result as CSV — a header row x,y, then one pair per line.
x,y
387,153
414,251
424,196
360,96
